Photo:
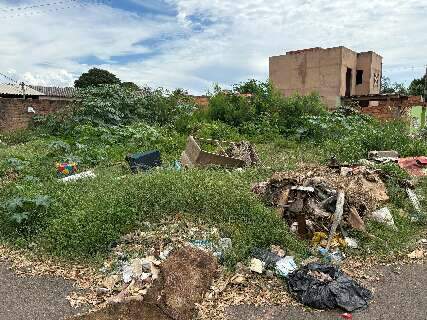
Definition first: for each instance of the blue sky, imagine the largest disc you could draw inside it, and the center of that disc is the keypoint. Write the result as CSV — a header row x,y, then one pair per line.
x,y
195,43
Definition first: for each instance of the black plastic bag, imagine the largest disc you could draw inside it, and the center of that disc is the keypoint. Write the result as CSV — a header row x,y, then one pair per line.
x,y
268,257
144,161
323,286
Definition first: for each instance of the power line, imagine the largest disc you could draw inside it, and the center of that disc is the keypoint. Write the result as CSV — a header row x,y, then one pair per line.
x,y
49,7
8,78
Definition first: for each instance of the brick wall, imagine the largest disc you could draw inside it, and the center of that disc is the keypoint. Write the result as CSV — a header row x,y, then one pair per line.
x,y
387,111
14,113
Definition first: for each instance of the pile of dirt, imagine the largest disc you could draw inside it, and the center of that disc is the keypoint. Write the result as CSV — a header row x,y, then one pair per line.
x,y
185,277
307,198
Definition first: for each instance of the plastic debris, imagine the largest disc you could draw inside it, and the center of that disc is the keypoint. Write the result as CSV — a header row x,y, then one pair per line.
x,y
323,286
257,265
347,316
79,176
267,257
66,169
335,257
384,216
127,273
414,200
351,243
285,266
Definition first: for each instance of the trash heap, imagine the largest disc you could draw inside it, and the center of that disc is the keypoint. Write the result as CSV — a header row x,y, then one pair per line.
x,y
138,259
307,198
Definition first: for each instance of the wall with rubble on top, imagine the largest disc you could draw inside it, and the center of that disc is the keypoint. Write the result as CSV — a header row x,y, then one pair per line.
x,y
18,114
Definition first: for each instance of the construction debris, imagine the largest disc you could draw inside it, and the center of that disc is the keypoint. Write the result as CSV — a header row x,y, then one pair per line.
x,y
383,156
244,151
416,167
319,199
237,155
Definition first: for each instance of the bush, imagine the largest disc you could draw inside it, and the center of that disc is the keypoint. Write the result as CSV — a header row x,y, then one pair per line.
x,y
231,109
115,105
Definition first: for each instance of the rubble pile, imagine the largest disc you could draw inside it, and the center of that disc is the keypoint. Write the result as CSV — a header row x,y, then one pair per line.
x,y
307,198
245,151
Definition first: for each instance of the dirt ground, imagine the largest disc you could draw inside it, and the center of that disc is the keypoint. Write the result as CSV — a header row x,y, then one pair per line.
x,y
400,291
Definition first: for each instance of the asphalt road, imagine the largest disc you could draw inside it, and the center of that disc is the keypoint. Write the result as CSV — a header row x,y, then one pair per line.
x,y
33,298
399,294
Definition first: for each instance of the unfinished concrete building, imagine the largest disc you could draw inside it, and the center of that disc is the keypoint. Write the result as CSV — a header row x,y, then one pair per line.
x,y
333,73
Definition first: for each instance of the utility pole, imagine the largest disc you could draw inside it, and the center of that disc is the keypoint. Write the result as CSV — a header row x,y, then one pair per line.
x,y
424,107
23,89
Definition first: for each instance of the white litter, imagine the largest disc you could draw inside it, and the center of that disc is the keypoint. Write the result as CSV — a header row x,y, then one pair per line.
x,y
75,177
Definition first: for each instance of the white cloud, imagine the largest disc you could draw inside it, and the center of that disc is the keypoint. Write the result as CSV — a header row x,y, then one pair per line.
x,y
231,39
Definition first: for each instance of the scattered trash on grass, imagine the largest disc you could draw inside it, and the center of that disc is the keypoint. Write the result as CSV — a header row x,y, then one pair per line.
x,y
383,156
285,266
79,176
323,286
66,169
414,200
144,161
384,216
257,265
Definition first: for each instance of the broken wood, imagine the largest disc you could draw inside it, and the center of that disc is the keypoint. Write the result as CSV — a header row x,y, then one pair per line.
x,y
337,217
355,220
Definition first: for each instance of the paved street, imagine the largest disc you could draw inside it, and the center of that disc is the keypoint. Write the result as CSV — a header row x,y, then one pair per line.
x,y
33,298
399,294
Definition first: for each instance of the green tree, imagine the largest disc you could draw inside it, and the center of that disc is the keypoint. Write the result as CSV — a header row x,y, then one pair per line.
x,y
96,77
131,85
416,88
396,87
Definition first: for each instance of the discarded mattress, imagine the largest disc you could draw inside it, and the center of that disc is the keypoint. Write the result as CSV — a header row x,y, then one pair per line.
x,y
324,286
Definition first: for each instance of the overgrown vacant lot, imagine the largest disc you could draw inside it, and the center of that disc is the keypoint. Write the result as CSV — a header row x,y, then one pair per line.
x,y
85,219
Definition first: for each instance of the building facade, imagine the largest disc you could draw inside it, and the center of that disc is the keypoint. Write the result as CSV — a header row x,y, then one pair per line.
x,y
333,73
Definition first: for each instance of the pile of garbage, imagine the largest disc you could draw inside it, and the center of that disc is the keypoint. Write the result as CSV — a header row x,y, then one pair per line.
x,y
312,198
138,258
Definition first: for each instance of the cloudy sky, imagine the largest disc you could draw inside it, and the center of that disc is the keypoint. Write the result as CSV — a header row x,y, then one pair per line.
x,y
195,43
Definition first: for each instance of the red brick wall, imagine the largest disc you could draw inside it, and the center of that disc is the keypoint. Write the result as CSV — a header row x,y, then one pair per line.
x,y
387,111
14,112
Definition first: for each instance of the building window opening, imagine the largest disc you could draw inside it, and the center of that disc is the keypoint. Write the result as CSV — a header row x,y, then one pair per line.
x,y
359,77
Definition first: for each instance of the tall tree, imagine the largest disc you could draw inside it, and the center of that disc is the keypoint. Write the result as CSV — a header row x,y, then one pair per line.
x,y
396,87
416,88
96,77
131,85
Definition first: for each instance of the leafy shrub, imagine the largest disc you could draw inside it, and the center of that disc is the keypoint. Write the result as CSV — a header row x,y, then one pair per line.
x,y
115,105
230,108
25,214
